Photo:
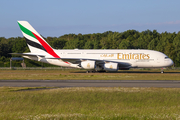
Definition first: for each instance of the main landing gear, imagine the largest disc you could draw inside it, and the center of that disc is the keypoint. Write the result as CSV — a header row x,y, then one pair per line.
x,y
90,71
95,71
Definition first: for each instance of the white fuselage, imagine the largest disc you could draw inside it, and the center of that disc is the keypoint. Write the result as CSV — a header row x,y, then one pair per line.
x,y
125,58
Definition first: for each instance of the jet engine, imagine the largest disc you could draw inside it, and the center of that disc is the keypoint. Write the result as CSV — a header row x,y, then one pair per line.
x,y
88,64
111,66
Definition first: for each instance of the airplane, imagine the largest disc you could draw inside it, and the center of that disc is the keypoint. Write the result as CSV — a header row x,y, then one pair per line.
x,y
92,60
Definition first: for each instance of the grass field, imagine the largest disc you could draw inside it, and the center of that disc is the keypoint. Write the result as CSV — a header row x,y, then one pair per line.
x,y
90,103
82,75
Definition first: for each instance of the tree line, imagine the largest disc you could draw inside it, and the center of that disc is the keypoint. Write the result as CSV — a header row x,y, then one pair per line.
x,y
168,43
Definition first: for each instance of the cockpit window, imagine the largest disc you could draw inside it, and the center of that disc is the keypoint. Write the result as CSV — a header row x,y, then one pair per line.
x,y
166,57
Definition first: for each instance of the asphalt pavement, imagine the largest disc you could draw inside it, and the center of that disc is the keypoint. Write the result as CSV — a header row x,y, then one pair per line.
x,y
91,83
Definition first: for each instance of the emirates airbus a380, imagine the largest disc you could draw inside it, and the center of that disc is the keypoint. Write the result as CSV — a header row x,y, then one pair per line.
x,y
92,60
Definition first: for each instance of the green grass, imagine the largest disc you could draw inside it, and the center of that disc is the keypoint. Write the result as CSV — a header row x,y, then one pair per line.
x,y
82,75
90,103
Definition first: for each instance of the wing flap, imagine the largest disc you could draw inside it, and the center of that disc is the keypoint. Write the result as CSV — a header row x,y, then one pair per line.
x,y
78,60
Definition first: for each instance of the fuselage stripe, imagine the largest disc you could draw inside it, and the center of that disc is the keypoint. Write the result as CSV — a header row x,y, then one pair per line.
x,y
34,44
46,46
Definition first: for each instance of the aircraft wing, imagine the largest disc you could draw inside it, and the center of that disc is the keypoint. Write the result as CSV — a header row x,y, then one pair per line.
x,y
76,60
98,61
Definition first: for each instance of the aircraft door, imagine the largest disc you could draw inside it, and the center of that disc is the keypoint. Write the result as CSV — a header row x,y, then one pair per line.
x,y
157,60
83,54
64,53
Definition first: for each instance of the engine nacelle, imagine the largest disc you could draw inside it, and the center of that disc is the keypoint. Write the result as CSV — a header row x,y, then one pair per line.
x,y
111,66
88,64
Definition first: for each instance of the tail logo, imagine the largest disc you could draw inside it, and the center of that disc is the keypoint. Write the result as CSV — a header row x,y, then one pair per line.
x,y
44,46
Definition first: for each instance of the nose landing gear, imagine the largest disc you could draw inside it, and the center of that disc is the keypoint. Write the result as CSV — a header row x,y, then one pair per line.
x,y
162,70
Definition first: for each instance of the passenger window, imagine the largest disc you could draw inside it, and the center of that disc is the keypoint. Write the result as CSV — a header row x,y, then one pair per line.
x,y
166,57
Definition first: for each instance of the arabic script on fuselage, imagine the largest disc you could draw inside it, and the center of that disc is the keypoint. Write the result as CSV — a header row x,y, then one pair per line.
x,y
107,55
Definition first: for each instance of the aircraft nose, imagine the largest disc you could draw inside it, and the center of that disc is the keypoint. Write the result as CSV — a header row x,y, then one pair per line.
x,y
171,62
168,62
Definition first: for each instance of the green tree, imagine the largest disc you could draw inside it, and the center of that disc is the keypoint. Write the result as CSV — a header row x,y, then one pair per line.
x,y
89,45
4,50
124,44
176,55
19,46
72,44
152,45
58,44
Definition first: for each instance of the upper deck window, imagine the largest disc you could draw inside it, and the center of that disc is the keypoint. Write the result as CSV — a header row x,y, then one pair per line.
x,y
166,57
73,53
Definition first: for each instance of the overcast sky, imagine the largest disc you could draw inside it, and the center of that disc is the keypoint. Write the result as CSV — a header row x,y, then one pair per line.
x,y
55,18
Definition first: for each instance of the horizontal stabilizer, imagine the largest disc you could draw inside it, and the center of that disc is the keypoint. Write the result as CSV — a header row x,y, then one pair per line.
x,y
27,54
